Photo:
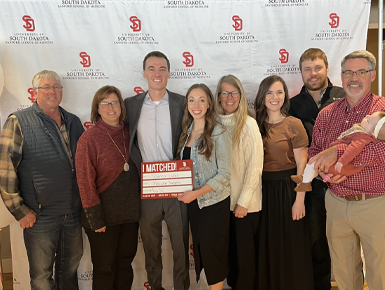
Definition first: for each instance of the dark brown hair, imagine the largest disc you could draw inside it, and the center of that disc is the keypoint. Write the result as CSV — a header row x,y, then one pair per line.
x,y
259,104
156,54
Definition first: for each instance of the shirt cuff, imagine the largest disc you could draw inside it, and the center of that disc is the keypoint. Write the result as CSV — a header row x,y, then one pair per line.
x,y
246,195
21,212
95,217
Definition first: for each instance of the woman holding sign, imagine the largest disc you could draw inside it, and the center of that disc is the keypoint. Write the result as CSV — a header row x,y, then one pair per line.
x,y
110,192
208,144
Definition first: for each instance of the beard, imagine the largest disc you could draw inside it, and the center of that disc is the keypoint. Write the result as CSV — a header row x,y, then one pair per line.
x,y
358,93
316,86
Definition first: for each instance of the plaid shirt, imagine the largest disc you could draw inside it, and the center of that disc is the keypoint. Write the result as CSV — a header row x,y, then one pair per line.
x,y
337,118
11,144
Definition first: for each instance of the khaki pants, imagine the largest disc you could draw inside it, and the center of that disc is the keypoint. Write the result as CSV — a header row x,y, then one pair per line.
x,y
348,224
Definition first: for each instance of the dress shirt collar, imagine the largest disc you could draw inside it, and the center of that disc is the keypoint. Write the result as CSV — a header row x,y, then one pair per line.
x,y
364,103
148,99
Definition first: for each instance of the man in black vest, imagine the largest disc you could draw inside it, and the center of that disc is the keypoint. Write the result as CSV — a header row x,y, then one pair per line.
x,y
38,184
317,93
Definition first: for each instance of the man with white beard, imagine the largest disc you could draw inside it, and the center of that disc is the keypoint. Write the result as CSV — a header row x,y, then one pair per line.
x,y
354,205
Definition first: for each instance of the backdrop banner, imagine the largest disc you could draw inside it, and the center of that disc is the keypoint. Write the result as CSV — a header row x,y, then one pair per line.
x,y
92,43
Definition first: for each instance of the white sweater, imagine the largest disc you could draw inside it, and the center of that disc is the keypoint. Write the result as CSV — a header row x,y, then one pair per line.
x,y
247,164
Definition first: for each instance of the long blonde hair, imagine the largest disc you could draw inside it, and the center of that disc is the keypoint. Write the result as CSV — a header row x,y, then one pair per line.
x,y
240,113
206,144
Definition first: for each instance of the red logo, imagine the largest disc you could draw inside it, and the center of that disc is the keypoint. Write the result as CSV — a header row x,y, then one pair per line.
x,y
335,20
29,23
192,250
86,59
189,62
88,125
237,23
147,285
284,56
138,90
136,23
31,91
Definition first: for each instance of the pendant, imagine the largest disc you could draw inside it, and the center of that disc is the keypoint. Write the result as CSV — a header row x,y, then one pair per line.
x,y
126,167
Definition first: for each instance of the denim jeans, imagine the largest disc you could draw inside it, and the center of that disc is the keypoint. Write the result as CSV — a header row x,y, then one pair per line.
x,y
54,239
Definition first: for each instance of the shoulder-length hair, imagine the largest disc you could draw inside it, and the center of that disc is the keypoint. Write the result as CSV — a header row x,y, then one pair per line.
x,y
206,144
259,104
241,112
102,94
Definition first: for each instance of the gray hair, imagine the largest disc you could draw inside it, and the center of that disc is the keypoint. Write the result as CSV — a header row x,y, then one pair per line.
x,y
44,74
360,54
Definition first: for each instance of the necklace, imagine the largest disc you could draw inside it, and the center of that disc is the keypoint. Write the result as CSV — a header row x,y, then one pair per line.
x,y
126,167
271,127
278,120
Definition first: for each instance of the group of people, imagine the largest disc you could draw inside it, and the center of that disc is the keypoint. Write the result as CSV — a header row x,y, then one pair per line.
x,y
252,221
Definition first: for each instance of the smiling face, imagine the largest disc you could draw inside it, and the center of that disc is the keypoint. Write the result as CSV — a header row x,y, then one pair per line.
x,y
275,97
314,74
110,114
51,99
230,102
357,87
156,73
197,104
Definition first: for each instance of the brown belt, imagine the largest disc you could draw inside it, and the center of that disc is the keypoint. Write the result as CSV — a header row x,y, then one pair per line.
x,y
359,197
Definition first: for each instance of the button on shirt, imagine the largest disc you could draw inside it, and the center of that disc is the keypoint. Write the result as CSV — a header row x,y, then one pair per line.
x,y
337,118
154,130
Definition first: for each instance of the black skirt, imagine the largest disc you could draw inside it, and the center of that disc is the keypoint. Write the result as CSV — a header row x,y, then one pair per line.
x,y
284,253
210,231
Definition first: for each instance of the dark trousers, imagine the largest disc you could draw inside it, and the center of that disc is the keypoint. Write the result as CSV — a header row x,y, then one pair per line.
x,y
243,250
316,224
174,213
112,253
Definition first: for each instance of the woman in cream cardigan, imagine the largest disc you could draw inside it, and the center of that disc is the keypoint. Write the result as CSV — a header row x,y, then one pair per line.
x,y
246,171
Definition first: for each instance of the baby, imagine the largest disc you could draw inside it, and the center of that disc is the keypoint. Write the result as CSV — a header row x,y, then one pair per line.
x,y
370,130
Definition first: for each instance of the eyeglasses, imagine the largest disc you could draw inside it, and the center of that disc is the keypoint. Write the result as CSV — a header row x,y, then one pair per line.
x,y
226,94
104,105
48,88
360,73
